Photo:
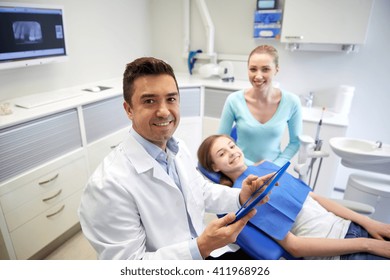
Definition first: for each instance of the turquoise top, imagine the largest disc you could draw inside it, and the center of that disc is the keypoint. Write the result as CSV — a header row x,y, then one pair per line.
x,y
277,216
262,141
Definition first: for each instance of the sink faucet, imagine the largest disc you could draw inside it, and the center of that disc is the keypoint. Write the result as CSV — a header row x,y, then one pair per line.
x,y
309,99
379,143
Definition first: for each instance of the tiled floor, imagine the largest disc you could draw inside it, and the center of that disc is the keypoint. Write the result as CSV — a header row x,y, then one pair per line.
x,y
76,248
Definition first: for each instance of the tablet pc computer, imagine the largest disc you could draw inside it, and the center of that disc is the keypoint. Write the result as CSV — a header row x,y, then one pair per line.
x,y
271,183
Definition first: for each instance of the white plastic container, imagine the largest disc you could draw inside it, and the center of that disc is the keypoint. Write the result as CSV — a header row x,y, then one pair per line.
x,y
337,99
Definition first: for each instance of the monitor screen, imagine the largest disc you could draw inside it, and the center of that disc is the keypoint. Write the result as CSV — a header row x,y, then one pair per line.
x,y
31,35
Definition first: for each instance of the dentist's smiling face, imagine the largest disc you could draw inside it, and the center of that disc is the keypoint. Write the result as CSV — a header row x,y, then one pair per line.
x,y
155,111
261,70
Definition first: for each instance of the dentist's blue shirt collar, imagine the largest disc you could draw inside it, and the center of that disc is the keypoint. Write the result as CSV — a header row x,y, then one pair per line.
x,y
154,150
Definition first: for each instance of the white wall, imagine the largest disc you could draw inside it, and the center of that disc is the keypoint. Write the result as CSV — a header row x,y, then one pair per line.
x,y
102,36
300,72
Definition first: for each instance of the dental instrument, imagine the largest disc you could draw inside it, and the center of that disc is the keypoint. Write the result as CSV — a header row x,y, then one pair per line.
x,y
317,147
310,150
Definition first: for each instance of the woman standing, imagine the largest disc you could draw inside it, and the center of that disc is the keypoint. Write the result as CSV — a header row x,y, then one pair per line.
x,y
262,112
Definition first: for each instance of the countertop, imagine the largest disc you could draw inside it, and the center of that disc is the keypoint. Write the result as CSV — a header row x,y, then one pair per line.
x,y
81,97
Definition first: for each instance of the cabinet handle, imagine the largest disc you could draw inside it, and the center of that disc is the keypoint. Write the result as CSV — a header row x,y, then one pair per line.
x,y
53,196
114,146
49,180
294,37
57,212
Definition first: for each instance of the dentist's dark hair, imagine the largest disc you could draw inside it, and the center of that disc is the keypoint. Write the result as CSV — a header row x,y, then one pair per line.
x,y
140,67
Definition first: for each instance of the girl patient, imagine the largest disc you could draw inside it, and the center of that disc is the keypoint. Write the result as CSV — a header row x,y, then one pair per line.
x,y
302,222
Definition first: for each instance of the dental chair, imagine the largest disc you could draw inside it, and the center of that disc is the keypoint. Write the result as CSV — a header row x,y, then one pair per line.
x,y
257,243
252,240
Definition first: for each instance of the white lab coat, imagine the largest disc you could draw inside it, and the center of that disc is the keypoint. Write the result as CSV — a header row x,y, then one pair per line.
x,y
132,209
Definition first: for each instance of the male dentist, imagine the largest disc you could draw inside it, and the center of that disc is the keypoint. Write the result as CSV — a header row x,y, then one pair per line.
x,y
146,200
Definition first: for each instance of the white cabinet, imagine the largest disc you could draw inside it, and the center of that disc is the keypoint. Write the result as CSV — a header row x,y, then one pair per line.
x,y
325,21
29,144
106,124
190,131
45,197
42,165
102,147
43,169
214,101
104,117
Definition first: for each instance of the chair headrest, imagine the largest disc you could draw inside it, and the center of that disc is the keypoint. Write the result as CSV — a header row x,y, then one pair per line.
x,y
211,175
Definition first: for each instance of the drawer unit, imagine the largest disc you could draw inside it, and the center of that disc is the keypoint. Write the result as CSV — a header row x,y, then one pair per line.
x,y
41,195
46,189
45,228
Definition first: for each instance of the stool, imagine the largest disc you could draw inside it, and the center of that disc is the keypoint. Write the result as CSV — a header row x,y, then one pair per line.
x,y
371,189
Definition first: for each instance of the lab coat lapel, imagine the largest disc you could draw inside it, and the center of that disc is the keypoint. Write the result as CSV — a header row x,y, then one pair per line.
x,y
143,162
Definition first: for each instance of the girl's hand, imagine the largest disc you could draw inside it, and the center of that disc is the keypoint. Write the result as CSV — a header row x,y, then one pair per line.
x,y
378,230
251,184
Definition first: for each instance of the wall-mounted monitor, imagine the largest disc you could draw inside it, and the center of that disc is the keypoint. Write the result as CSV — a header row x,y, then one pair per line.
x,y
31,35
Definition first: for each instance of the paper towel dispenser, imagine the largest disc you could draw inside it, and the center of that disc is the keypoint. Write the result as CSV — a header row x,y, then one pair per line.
x,y
336,99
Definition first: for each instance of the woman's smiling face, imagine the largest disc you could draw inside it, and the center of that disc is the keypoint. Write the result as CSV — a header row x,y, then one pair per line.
x,y
261,70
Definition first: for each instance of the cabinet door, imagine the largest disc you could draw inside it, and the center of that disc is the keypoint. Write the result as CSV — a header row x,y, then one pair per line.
x,y
325,21
213,106
98,150
190,103
190,131
104,117
214,101
30,144
190,127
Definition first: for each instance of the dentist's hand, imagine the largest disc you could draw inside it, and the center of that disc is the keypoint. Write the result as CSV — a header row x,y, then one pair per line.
x,y
251,184
221,232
